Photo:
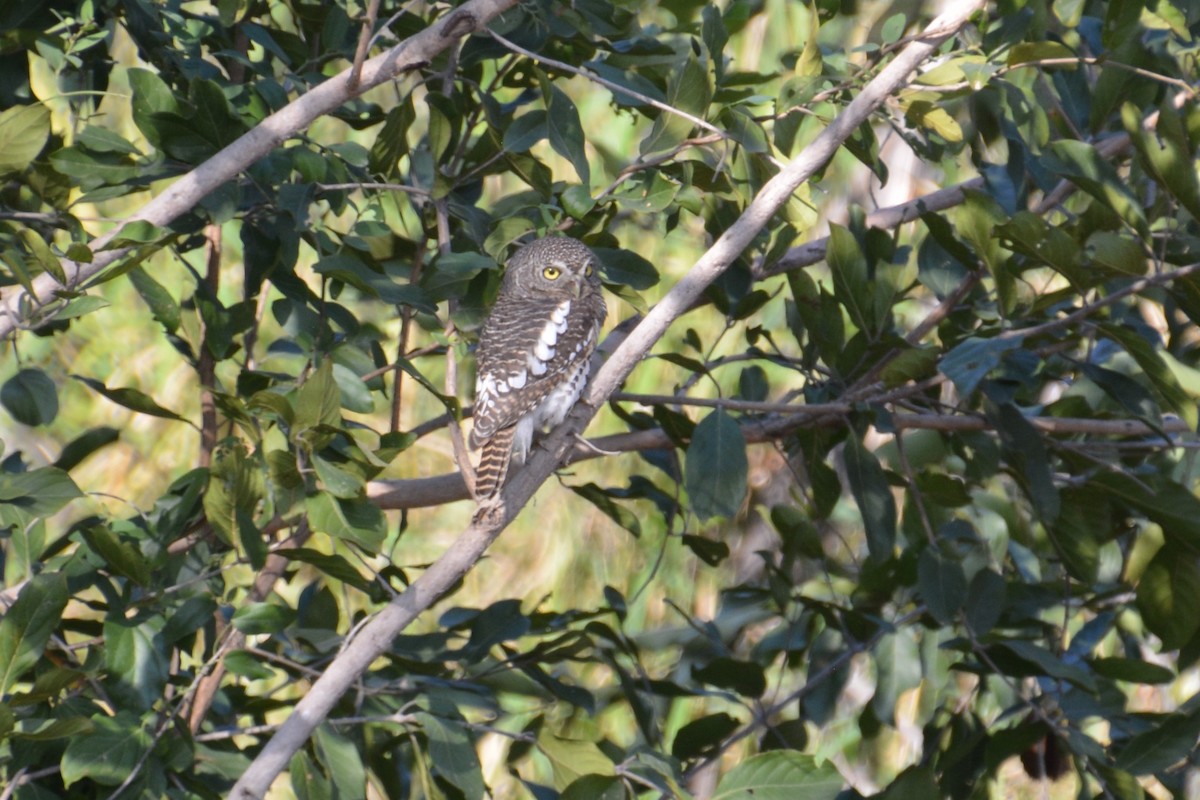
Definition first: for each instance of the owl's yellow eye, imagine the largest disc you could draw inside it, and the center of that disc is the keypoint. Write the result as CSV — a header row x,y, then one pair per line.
x,y
588,271
551,273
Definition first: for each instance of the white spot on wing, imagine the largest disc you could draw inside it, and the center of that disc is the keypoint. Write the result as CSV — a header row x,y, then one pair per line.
x,y
517,381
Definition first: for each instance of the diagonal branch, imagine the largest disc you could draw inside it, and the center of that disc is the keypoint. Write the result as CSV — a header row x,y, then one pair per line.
x,y
375,637
183,195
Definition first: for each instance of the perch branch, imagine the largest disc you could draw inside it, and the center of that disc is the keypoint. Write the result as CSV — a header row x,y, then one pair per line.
x,y
376,636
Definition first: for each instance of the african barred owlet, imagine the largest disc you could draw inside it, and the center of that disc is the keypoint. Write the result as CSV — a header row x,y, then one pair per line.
x,y
534,352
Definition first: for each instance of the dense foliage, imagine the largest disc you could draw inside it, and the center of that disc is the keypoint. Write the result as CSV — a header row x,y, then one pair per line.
x,y
912,518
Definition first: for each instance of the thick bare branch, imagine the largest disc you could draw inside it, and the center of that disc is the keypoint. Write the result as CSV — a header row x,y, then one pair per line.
x,y
183,195
377,634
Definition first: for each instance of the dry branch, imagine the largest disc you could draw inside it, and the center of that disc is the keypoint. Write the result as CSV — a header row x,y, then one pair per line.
x,y
375,637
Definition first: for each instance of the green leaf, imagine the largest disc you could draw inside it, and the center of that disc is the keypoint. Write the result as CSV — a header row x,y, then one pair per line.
x,y
30,397
84,445
1133,670
1168,594
26,626
337,481
342,762
23,133
453,754
526,131
604,501
136,660
256,618
566,132
943,584
1167,153
595,787
688,90
1165,384
780,775
897,669
44,256
39,493
1079,163
716,467
160,301
743,677
627,268
109,753
702,736
1162,746
1043,662
871,491
334,566
319,401
133,399
970,361
851,282
1027,458
571,759
122,557
357,521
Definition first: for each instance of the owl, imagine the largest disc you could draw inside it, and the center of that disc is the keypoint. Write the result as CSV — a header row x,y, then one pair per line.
x,y
533,356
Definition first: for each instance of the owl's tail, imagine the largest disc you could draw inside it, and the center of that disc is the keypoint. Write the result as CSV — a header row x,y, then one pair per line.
x,y
493,463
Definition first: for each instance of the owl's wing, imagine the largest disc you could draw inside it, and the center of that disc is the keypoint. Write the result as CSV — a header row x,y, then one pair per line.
x,y
524,351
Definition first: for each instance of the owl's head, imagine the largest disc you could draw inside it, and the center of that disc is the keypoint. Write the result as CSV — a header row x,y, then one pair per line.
x,y
555,266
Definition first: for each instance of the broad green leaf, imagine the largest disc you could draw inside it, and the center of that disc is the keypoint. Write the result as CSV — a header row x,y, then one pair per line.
x,y
688,90
31,397
743,677
595,787
986,597
26,626
780,775
39,493
136,660
122,557
84,445
943,584
109,753
133,399
342,761
702,736
1167,153
318,402
160,301
1133,670
453,754
1044,662
566,132
1027,458
23,133
1081,164
43,255
716,467
1163,745
334,566
1164,381
357,521
626,267
526,131
851,282
337,481
618,513
871,491
897,669
254,618
1168,594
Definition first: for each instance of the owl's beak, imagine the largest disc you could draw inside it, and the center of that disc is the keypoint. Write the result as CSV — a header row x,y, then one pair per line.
x,y
577,286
